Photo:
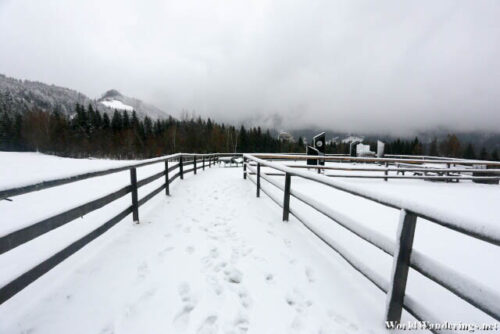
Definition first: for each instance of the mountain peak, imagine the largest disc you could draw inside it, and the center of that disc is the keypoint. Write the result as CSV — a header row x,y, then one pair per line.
x,y
112,93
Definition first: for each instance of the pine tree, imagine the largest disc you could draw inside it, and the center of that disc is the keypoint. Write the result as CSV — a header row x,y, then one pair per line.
x,y
116,122
125,120
433,149
494,155
483,155
6,127
469,152
106,122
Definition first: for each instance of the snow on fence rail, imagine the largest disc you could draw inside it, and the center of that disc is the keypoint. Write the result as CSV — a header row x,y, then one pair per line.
x,y
342,158
21,236
469,290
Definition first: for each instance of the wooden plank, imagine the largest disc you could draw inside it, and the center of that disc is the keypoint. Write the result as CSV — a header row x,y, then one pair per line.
x,y
151,195
133,183
402,169
174,177
171,168
401,265
414,177
21,282
286,199
19,237
360,159
189,170
167,182
150,179
258,180
244,168
181,168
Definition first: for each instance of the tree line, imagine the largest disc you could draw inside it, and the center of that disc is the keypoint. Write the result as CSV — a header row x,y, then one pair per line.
x,y
123,135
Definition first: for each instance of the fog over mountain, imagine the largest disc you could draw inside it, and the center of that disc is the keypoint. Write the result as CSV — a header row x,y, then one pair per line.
x,y
394,67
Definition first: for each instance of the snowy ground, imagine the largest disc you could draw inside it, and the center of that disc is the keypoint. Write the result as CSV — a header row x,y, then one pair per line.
x,y
213,258
210,257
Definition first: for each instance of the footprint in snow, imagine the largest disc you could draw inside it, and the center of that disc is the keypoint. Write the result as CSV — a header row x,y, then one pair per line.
x,y
310,275
339,319
164,251
244,298
214,253
270,232
287,243
233,275
190,249
220,266
181,320
106,330
241,324
142,270
297,300
209,325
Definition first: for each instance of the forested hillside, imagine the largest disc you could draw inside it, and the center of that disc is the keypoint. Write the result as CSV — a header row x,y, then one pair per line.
x,y
123,135
90,132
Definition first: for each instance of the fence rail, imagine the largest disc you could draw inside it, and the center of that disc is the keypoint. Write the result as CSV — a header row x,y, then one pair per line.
x,y
342,158
26,234
404,257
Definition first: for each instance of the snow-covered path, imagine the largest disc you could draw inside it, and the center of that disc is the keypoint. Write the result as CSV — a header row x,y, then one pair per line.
x,y
212,258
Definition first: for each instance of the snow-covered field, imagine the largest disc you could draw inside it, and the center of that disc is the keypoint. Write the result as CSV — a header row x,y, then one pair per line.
x,y
214,258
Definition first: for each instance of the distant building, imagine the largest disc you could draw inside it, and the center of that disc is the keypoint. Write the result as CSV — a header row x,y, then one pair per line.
x,y
363,150
352,139
285,136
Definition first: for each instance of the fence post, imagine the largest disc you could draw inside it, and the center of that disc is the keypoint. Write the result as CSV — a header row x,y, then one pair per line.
x,y
167,182
400,265
286,199
258,179
194,162
244,168
203,163
135,204
448,166
181,169
386,172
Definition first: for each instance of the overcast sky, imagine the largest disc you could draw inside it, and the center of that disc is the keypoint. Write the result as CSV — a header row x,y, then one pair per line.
x,y
367,66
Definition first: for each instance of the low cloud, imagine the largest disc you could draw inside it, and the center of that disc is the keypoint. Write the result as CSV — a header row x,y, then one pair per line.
x,y
384,66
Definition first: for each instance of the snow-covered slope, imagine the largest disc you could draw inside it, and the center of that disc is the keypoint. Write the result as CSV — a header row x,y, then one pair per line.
x,y
23,95
115,100
115,104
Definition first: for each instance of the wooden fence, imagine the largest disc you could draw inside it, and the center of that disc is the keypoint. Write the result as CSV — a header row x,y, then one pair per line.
x,y
172,163
466,169
478,295
177,165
